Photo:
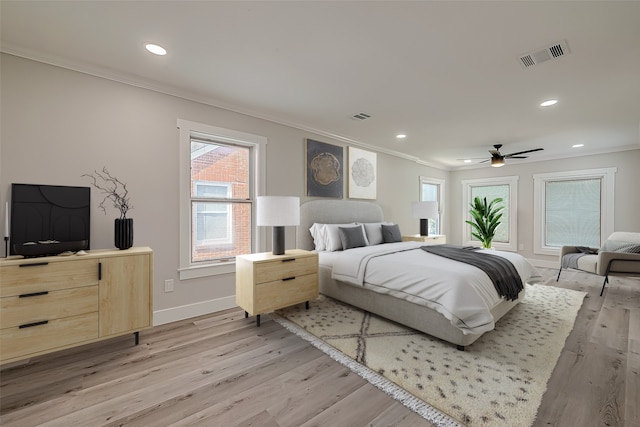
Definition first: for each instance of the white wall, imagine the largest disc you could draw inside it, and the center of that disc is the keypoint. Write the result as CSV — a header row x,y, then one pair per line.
x,y
58,124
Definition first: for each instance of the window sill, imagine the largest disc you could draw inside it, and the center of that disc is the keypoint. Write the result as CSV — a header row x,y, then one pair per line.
x,y
195,272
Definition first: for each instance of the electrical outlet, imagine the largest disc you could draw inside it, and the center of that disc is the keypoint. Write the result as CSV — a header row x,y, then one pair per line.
x,y
168,285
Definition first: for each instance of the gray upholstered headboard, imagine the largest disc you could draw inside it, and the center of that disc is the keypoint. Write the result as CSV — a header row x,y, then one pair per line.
x,y
333,212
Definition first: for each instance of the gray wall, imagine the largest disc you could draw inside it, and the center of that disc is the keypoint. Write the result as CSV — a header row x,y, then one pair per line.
x,y
58,124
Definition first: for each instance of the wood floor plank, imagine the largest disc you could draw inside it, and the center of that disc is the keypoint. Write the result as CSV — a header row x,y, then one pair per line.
x,y
350,411
176,409
632,398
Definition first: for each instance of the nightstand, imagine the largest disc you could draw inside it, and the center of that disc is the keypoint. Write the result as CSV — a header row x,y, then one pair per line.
x,y
428,240
267,282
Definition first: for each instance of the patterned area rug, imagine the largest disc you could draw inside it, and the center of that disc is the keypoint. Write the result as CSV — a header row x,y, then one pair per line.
x,y
497,381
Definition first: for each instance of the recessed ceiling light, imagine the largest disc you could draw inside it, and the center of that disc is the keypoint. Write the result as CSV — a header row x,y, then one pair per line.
x,y
549,103
155,49
577,145
467,161
401,136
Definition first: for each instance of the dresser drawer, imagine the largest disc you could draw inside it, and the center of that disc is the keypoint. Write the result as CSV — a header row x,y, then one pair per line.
x,y
30,308
19,342
283,293
33,276
285,268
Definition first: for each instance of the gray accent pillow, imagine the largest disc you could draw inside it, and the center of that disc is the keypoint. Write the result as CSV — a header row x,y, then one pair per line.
x,y
616,246
373,230
352,237
391,233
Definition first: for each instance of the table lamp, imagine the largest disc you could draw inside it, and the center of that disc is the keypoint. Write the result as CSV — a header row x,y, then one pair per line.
x,y
424,211
278,212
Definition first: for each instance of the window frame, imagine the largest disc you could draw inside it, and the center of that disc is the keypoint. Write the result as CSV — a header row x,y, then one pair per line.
x,y
257,143
607,206
441,199
512,183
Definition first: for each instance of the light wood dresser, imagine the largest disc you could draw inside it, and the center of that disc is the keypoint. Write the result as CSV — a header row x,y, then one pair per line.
x,y
267,282
57,302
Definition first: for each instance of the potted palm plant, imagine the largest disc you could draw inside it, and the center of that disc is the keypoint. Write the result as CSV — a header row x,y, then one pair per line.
x,y
485,219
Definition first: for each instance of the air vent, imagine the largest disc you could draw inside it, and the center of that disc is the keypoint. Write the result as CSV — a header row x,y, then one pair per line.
x,y
360,116
554,51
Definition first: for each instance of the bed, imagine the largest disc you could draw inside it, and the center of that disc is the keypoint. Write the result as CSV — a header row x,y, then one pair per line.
x,y
411,311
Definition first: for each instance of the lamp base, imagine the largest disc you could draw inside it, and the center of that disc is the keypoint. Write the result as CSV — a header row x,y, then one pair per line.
x,y
278,240
424,227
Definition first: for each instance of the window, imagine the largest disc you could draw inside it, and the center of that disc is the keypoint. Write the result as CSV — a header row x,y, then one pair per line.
x,y
505,188
432,190
573,208
219,180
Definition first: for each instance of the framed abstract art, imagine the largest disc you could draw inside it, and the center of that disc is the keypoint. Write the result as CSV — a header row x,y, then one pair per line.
x,y
363,178
324,169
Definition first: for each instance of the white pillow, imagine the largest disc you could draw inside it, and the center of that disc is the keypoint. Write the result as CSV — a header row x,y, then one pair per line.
x,y
332,236
317,232
373,231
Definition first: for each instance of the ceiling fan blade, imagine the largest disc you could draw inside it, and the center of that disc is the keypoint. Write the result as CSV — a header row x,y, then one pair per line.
x,y
484,161
522,152
517,157
494,152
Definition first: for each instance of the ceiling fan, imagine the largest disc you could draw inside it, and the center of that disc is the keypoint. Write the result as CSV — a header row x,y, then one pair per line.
x,y
497,158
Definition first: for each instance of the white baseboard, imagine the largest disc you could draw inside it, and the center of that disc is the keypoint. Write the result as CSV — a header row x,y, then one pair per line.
x,y
174,314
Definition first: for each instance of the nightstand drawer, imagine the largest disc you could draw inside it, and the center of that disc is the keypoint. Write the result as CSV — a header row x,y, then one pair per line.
x,y
31,339
287,267
35,276
282,293
30,308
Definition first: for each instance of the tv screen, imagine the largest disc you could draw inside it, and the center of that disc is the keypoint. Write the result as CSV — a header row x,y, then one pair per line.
x,y
49,219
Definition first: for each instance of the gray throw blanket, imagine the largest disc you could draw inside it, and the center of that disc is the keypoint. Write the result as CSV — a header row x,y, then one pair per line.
x,y
502,273
571,260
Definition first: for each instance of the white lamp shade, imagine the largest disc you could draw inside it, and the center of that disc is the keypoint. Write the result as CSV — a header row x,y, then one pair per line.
x,y
424,210
278,211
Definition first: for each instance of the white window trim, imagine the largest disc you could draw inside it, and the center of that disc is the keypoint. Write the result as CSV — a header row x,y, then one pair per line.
x,y
607,195
189,270
441,196
512,182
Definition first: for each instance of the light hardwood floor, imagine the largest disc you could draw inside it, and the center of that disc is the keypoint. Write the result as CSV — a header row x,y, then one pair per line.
x,y
220,370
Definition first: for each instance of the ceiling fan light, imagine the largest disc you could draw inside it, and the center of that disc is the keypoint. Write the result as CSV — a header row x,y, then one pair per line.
x,y
497,162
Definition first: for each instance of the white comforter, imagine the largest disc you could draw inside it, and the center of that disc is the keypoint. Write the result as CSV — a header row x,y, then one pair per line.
x,y
462,293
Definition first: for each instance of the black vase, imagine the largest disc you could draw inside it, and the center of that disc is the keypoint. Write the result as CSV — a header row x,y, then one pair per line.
x,y
123,234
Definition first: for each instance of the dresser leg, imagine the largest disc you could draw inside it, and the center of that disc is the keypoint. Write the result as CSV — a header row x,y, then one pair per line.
x,y
136,337
258,320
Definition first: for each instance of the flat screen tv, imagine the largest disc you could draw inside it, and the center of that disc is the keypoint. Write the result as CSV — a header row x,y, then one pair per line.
x,y
49,219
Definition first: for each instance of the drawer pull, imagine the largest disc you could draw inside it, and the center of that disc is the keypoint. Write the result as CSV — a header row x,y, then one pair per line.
x,y
29,325
34,294
289,259
35,264
288,278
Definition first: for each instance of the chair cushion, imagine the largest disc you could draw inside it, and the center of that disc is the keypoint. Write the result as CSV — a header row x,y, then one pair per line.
x,y
588,263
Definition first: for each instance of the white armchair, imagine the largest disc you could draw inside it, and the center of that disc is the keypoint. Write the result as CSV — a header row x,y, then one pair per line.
x,y
618,256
